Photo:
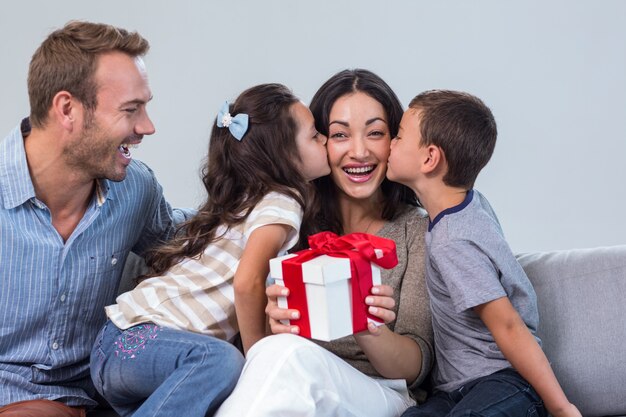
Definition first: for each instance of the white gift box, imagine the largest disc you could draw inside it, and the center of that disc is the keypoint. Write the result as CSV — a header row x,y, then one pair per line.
x,y
327,281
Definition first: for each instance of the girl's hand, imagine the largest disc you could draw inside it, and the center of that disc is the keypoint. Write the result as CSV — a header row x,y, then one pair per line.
x,y
275,313
380,304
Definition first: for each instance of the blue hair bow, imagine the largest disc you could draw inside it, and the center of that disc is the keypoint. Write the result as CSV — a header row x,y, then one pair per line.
x,y
238,125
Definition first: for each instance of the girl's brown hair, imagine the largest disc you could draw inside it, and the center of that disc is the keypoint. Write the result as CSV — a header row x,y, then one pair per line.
x,y
238,174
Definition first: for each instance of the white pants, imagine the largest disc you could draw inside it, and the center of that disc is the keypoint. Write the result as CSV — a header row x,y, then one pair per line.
x,y
287,375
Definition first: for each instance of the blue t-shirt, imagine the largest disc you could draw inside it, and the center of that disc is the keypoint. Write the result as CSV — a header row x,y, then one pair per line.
x,y
53,293
469,263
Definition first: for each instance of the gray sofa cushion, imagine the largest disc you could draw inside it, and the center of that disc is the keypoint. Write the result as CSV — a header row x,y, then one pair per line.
x,y
582,323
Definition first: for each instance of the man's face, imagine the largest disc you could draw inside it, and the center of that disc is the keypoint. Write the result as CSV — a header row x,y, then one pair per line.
x,y
119,121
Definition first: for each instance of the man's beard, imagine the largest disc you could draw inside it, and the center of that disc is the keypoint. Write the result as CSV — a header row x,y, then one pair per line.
x,y
93,153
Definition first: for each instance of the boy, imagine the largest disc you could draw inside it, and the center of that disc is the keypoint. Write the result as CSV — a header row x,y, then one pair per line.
x,y
484,307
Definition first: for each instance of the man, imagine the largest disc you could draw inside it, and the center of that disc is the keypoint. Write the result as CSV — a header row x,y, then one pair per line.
x,y
73,204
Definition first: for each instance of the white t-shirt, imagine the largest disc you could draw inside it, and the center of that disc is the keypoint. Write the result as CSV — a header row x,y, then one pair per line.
x,y
197,294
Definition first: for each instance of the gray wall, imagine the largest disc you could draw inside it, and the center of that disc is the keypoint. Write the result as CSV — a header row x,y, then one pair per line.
x,y
553,72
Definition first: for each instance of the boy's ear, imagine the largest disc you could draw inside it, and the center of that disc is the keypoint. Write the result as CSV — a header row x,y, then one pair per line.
x,y
433,159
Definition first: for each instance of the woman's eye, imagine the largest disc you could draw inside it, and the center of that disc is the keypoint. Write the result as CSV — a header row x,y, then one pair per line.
x,y
377,133
338,135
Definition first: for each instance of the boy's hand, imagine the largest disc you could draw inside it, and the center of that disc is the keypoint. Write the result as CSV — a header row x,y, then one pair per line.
x,y
275,313
380,304
569,411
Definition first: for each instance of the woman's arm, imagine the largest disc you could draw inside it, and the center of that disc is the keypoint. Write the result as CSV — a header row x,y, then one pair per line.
x,y
393,355
263,244
523,352
413,318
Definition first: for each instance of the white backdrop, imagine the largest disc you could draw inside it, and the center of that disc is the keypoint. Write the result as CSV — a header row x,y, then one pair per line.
x,y
553,73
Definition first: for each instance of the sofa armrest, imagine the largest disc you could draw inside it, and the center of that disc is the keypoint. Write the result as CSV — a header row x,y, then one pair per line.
x,y
582,323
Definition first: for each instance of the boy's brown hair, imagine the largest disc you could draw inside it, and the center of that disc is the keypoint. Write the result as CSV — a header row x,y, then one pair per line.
x,y
463,127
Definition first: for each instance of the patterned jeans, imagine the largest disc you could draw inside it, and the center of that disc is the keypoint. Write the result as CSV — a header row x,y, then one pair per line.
x,y
149,370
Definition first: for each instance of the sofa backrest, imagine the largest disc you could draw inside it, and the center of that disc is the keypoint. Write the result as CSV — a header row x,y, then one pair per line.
x,y
582,323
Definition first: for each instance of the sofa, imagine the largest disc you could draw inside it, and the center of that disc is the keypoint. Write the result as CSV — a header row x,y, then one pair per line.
x,y
582,315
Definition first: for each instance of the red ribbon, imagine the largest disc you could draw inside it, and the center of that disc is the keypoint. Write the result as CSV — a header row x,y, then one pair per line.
x,y
360,249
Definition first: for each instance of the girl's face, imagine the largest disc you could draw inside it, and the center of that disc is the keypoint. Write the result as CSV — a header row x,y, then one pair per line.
x,y
310,143
358,145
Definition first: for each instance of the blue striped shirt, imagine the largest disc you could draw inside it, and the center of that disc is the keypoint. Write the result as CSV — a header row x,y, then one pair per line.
x,y
53,293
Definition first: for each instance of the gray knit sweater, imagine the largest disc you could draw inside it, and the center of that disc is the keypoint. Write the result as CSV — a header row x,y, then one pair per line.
x,y
413,318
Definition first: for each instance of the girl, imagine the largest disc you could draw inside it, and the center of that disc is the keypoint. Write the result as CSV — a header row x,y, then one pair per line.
x,y
166,346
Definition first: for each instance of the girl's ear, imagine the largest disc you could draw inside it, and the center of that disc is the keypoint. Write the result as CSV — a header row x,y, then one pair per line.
x,y
434,158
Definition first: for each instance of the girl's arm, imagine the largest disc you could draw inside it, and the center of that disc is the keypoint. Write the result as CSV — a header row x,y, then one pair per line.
x,y
263,244
523,352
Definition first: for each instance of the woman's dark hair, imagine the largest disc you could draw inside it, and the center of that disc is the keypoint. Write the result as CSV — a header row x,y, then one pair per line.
x,y
341,84
238,174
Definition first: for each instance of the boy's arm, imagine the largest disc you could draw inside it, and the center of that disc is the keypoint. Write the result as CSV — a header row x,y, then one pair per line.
x,y
263,244
523,352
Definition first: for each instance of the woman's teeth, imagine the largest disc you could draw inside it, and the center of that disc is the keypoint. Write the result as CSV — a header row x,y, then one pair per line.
x,y
359,170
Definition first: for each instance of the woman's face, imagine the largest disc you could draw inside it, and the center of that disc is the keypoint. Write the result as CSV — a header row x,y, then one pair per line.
x,y
358,145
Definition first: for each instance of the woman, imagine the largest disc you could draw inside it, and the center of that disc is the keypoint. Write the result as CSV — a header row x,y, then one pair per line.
x,y
376,372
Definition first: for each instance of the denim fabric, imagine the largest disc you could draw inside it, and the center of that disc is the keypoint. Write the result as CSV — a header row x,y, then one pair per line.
x,y
504,393
149,370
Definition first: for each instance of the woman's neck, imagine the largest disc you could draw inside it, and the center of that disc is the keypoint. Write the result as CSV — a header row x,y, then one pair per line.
x,y
362,216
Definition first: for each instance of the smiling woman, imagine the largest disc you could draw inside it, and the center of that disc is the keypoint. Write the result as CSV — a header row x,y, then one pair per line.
x,y
378,371
358,148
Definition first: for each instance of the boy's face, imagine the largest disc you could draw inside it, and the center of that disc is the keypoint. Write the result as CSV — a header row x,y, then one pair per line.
x,y
406,148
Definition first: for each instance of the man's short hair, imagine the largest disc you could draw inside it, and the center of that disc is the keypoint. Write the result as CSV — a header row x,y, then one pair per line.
x,y
67,59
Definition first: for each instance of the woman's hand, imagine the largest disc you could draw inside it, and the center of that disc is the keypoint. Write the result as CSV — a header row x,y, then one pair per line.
x,y
380,304
275,313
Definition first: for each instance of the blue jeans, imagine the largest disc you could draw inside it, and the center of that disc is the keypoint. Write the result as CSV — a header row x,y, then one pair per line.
x,y
149,370
503,393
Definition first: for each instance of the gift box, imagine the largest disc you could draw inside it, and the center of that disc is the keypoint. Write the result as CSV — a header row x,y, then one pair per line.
x,y
329,282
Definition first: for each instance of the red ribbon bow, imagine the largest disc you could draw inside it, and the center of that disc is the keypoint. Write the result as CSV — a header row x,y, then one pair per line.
x,y
360,249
